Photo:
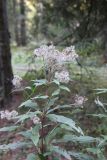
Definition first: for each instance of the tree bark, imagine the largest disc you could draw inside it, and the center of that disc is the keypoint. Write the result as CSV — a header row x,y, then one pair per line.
x,y
22,23
6,73
16,19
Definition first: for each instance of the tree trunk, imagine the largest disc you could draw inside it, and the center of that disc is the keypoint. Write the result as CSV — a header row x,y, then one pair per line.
x,y
16,19
6,74
22,23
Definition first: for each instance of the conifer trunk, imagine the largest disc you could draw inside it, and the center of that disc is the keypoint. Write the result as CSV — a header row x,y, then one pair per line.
x,y
16,21
22,23
6,73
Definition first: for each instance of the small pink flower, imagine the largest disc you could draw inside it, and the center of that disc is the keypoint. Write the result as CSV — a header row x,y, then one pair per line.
x,y
17,81
8,115
36,120
80,100
62,76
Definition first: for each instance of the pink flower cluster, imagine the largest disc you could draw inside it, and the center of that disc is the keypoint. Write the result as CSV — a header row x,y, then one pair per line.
x,y
62,76
36,120
80,100
8,115
17,81
54,60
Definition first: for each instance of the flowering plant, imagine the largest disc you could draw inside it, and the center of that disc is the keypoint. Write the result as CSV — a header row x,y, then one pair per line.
x,y
48,128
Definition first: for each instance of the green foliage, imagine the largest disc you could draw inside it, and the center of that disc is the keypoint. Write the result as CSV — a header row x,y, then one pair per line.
x,y
100,149
9,129
48,128
50,131
46,117
14,146
32,156
64,120
87,48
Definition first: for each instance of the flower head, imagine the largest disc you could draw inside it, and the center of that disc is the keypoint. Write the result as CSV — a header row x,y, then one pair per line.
x,y
36,120
70,53
8,115
80,100
54,60
17,81
62,76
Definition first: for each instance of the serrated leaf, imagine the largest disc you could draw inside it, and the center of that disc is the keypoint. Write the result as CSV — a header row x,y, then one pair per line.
x,y
100,104
56,82
52,101
56,92
101,90
40,97
35,135
29,88
14,146
52,135
60,151
58,107
9,129
65,88
23,117
29,104
40,82
65,120
80,139
66,127
103,142
26,134
80,156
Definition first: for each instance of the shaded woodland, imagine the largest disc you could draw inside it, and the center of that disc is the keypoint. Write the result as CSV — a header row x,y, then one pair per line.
x,y
65,104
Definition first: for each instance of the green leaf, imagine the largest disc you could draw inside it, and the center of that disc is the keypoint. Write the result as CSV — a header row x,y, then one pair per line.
x,y
42,157
65,88
103,142
51,135
35,135
56,92
101,90
29,88
98,115
32,156
41,97
9,129
51,102
80,139
60,151
23,117
80,156
98,152
93,150
14,146
59,107
26,134
66,127
65,120
30,104
56,82
100,104
40,82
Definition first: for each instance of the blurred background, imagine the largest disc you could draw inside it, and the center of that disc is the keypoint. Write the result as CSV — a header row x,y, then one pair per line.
x,y
64,22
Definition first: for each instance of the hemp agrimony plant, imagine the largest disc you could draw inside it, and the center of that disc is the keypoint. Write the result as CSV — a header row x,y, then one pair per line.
x,y
49,130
